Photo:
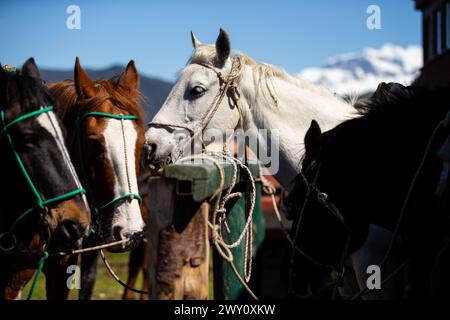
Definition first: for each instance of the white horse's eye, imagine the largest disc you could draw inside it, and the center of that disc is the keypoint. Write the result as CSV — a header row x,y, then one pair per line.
x,y
197,91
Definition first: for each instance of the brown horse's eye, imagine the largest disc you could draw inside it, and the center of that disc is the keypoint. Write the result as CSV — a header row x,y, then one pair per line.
x,y
95,145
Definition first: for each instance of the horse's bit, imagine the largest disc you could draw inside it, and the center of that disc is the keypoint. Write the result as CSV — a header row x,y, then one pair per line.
x,y
80,119
8,236
228,86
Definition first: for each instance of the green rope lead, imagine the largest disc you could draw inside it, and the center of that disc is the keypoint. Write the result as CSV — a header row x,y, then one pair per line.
x,y
41,203
46,202
107,115
81,118
16,154
22,117
37,274
126,196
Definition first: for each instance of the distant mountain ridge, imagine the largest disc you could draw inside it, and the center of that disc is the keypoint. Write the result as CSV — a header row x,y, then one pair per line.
x,y
346,74
361,72
154,90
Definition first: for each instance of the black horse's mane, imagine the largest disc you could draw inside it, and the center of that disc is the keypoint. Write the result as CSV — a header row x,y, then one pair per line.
x,y
392,112
409,101
385,95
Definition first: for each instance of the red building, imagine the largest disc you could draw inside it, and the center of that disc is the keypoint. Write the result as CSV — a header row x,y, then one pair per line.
x,y
436,42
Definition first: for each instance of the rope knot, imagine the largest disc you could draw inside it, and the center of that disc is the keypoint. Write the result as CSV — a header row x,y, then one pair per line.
x,y
221,210
233,93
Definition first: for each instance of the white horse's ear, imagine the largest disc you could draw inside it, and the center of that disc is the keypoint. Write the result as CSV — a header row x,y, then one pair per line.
x,y
223,46
195,42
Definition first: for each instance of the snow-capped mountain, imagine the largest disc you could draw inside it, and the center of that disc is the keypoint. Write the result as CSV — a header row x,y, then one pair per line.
x,y
359,73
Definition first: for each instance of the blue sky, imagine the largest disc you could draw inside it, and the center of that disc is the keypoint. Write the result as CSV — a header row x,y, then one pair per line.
x,y
292,34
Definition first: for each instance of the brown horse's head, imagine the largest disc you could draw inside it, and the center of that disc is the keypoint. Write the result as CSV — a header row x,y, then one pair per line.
x,y
107,131
41,195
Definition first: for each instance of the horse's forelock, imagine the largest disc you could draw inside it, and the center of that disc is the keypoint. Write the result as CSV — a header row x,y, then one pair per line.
x,y
29,92
204,54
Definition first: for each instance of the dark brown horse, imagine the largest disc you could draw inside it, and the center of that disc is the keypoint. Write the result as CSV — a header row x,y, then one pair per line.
x,y
43,205
106,132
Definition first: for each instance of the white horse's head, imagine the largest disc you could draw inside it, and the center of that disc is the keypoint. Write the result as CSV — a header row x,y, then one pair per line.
x,y
186,111
263,100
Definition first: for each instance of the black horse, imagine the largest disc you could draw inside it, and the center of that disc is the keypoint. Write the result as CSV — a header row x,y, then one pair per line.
x,y
362,173
42,202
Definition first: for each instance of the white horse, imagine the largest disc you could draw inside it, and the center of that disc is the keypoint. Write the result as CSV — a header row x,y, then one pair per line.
x,y
269,99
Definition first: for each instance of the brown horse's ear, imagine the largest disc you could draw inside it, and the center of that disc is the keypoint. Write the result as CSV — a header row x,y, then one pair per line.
x,y
130,78
223,46
313,140
83,84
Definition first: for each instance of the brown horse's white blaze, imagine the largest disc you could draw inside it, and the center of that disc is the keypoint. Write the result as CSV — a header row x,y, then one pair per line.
x,y
121,139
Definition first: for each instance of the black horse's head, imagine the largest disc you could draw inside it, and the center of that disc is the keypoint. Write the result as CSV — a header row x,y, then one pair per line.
x,y
41,196
320,231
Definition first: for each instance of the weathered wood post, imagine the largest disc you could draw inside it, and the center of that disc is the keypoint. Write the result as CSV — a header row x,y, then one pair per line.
x,y
178,231
178,246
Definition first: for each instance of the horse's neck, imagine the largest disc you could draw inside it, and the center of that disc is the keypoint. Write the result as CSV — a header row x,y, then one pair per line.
x,y
295,105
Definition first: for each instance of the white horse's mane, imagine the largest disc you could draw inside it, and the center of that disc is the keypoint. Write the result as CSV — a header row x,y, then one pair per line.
x,y
263,74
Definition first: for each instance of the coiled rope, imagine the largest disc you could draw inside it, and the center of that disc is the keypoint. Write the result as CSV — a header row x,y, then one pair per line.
x,y
218,206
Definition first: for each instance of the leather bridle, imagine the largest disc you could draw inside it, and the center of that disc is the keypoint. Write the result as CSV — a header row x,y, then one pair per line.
x,y
324,200
228,87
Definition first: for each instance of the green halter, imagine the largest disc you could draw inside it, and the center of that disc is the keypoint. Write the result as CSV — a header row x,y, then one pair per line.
x,y
40,203
79,120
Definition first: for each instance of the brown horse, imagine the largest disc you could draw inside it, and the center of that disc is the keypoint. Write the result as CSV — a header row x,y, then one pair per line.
x,y
43,205
106,133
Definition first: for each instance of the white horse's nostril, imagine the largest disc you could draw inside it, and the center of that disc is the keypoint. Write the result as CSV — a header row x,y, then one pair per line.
x,y
150,149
